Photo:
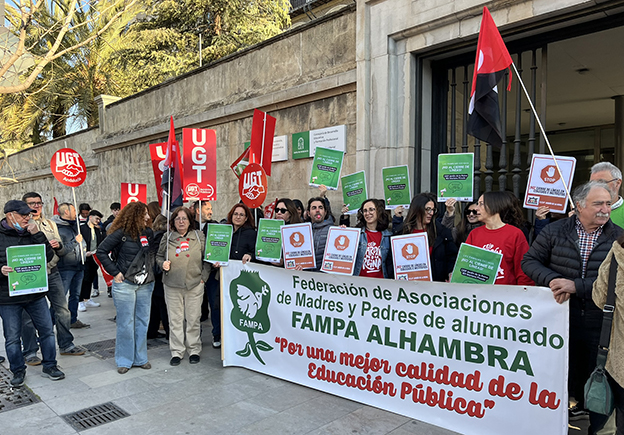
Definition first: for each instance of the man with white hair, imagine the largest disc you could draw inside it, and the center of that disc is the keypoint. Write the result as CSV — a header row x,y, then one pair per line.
x,y
609,173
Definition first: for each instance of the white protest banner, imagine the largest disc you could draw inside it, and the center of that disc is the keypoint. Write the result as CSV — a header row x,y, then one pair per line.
x,y
297,246
479,360
545,186
410,255
340,250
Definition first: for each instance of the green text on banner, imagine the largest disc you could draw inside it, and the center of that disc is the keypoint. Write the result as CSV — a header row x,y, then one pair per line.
x,y
455,176
396,186
477,360
326,168
354,191
476,265
218,243
340,250
297,246
29,269
269,240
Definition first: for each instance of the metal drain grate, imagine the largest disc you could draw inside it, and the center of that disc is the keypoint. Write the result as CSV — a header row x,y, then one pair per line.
x,y
105,349
95,416
11,398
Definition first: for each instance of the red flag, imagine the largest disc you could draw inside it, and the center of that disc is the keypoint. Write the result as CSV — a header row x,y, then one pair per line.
x,y
491,61
55,209
172,173
269,209
261,148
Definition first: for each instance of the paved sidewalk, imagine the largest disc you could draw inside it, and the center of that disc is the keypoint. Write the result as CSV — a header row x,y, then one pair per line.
x,y
189,399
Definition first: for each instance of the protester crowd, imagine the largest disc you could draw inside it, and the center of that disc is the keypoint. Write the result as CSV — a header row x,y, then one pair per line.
x,y
160,277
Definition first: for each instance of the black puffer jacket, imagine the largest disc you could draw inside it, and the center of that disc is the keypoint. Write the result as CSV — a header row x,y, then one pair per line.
x,y
243,242
556,254
10,237
126,249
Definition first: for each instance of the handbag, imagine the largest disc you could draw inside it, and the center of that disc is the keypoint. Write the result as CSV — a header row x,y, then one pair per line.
x,y
598,394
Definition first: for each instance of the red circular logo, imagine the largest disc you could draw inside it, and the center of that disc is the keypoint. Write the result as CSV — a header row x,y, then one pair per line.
x,y
550,174
68,167
297,239
341,243
409,251
252,185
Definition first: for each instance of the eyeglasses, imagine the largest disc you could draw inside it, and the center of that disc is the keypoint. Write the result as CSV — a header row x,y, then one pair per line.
x,y
238,215
181,219
369,210
35,204
23,216
469,212
281,210
431,210
610,181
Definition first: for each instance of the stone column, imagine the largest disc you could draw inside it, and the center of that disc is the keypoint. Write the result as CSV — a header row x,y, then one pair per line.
x,y
102,101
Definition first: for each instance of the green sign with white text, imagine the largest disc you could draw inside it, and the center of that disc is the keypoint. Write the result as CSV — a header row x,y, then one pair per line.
x,y
218,242
354,191
326,168
29,269
455,176
301,145
396,186
269,240
476,265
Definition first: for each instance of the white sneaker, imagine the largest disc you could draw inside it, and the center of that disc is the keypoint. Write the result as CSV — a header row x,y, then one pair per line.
x,y
95,293
91,304
81,306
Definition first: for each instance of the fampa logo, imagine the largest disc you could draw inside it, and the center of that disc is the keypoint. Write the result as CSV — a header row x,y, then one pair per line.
x,y
550,174
297,239
409,251
250,296
341,243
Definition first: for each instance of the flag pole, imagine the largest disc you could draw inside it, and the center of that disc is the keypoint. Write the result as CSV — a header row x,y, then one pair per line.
x,y
168,208
539,123
263,134
82,255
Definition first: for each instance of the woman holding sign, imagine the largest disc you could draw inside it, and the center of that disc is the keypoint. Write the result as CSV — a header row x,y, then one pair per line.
x,y
130,242
287,211
442,248
500,237
181,258
374,258
244,235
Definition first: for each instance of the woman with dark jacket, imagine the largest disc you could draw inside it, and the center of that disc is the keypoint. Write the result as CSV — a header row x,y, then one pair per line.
x,y
244,234
130,240
442,248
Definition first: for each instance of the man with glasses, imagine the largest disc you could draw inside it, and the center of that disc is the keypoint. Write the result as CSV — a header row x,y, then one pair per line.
x,y
612,176
56,294
17,230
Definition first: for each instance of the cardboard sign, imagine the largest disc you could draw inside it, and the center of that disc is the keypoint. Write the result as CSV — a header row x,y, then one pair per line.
x,y
157,154
410,255
341,250
545,186
218,243
133,192
200,164
29,269
476,265
297,246
68,167
252,186
326,168
396,184
354,191
269,240
455,176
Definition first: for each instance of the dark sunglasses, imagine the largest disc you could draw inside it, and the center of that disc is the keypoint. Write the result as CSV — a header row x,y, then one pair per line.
x,y
469,212
281,210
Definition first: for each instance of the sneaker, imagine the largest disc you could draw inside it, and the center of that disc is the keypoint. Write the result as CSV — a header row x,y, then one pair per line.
x,y
53,373
194,359
216,344
33,361
78,324
91,304
577,413
175,361
82,307
18,378
95,293
73,351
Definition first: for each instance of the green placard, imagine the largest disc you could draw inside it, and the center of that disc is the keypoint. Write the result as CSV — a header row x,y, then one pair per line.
x,y
218,242
269,240
29,269
455,176
301,145
396,186
326,168
354,191
476,265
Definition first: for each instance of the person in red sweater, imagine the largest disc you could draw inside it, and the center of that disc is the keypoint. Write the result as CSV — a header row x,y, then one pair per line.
x,y
500,237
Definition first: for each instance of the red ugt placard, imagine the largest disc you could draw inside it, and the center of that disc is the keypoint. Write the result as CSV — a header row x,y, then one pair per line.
x,y
68,167
133,192
157,153
200,164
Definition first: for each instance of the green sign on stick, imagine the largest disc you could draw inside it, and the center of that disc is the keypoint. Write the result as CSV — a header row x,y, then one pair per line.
x,y
29,269
476,265
326,168
455,174
218,242
354,191
396,186
269,240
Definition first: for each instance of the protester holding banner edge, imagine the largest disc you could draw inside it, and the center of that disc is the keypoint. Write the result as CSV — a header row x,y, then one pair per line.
x,y
374,253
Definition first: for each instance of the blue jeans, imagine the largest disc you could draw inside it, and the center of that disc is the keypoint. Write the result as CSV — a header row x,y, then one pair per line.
x,y
133,303
12,326
72,283
60,318
214,286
